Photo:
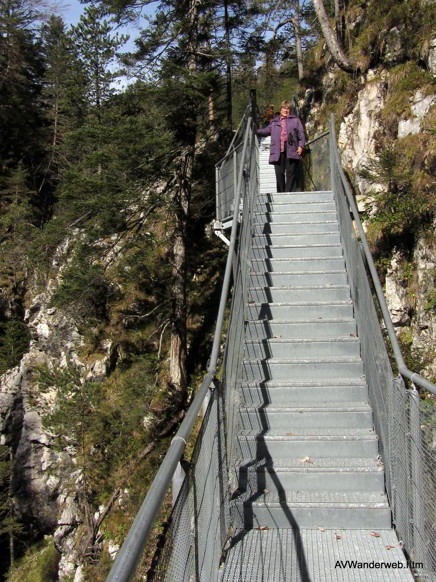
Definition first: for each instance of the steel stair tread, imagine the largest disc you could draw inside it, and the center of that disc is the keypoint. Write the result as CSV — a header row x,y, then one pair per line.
x,y
310,192
345,499
275,273
300,321
272,303
296,222
298,259
308,406
272,384
314,245
323,359
280,340
276,555
327,464
309,434
303,287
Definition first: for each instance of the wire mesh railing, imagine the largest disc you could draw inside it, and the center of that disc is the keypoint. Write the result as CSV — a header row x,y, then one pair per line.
x,y
200,520
405,419
316,164
199,523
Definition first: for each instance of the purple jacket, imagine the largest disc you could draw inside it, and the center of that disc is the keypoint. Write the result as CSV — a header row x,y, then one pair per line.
x,y
295,128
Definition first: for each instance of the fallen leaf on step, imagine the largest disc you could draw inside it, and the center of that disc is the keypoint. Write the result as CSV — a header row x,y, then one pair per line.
x,y
290,434
353,335
337,536
262,527
374,534
277,336
251,302
321,529
306,460
390,547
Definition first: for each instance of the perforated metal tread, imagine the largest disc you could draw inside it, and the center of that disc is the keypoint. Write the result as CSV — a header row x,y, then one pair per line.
x,y
309,433
322,340
302,287
358,381
314,464
309,406
323,360
306,303
306,555
316,498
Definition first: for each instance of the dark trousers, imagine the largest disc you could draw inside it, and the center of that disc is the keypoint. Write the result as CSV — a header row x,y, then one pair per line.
x,y
290,168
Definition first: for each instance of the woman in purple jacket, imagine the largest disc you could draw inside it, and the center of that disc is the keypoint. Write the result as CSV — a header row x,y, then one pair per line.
x,y
287,145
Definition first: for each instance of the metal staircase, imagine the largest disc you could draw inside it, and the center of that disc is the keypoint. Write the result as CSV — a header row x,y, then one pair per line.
x,y
313,463
309,477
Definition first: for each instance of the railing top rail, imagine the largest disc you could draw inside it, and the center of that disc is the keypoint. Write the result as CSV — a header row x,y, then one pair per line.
x,y
402,368
130,553
229,153
237,132
317,138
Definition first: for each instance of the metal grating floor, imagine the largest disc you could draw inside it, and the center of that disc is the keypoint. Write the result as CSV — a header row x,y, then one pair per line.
x,y
307,555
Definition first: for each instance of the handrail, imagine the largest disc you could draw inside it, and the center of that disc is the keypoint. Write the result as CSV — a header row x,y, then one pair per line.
x,y
237,130
317,138
402,368
130,553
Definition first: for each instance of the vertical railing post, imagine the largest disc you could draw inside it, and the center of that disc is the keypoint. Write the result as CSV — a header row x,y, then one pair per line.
x,y
217,192
253,106
417,519
177,482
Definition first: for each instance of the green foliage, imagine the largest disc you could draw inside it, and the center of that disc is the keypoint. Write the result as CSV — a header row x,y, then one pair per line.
x,y
108,430
405,200
38,564
14,342
84,290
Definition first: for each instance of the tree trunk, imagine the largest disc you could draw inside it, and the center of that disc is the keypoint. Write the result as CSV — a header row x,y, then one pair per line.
x,y
228,64
181,202
333,44
178,319
297,30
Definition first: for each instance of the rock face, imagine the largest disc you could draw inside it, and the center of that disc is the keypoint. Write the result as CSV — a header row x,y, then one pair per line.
x,y
45,481
407,297
357,134
420,106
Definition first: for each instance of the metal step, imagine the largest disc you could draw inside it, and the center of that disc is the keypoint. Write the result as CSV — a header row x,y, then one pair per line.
x,y
298,311
301,348
299,279
325,509
325,251
312,555
305,328
297,474
307,369
305,414
293,217
297,226
291,294
312,442
327,389
297,239
293,206
297,265
283,197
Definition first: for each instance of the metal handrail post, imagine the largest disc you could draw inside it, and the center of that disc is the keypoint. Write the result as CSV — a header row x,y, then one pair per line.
x,y
403,369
